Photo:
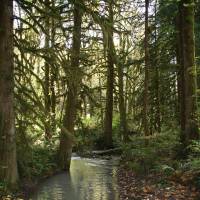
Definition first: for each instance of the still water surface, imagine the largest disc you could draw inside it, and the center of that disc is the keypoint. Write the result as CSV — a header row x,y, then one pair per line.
x,y
89,179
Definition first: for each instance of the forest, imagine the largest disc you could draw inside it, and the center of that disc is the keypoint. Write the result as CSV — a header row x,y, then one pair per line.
x,y
100,99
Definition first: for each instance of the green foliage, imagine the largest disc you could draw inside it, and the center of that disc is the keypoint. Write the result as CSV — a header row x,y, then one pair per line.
x,y
36,162
117,134
166,169
193,162
85,138
8,191
3,187
90,134
144,154
140,157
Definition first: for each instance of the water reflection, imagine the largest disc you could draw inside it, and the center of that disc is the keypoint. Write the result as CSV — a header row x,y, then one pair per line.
x,y
89,179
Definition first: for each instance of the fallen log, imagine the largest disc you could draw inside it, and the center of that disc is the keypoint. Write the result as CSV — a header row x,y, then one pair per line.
x,y
107,152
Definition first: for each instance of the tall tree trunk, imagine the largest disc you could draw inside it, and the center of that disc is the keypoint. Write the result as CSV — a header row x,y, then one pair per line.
x,y
157,77
47,96
191,119
146,80
8,163
53,98
108,37
122,108
66,138
53,77
181,75
100,100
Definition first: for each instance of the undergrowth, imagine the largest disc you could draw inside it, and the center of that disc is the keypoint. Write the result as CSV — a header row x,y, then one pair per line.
x,y
160,154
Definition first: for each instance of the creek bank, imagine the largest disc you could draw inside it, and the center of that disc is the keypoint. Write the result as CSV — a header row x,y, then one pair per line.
x,y
28,186
153,187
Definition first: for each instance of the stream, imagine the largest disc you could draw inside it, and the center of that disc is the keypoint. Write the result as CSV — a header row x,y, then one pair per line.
x,y
89,179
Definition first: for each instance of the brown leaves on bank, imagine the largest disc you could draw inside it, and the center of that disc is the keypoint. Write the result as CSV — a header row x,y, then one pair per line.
x,y
152,187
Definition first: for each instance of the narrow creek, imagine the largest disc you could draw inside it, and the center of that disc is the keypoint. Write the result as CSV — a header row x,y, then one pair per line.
x,y
89,179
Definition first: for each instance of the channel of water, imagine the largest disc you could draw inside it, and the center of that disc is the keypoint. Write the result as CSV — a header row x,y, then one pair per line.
x,y
88,179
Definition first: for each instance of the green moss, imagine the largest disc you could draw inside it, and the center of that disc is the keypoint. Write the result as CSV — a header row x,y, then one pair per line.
x,y
192,71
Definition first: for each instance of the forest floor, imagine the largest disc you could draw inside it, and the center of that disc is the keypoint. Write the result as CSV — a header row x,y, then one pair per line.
x,y
155,187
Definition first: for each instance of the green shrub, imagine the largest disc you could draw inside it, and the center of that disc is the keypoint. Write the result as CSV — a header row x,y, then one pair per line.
x,y
36,162
193,161
144,154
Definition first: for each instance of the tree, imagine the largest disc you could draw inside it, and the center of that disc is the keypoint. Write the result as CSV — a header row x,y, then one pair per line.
x,y
122,107
190,75
146,80
109,45
157,76
66,137
181,74
8,162
47,75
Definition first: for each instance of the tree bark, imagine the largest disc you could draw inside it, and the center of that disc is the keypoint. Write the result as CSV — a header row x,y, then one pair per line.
x,y
47,95
100,100
66,138
190,74
181,75
146,80
8,163
122,108
53,76
157,77
108,38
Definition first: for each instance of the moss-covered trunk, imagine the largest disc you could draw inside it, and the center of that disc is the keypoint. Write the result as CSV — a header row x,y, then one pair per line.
x,y
146,78
47,96
109,45
181,74
190,75
74,82
8,163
